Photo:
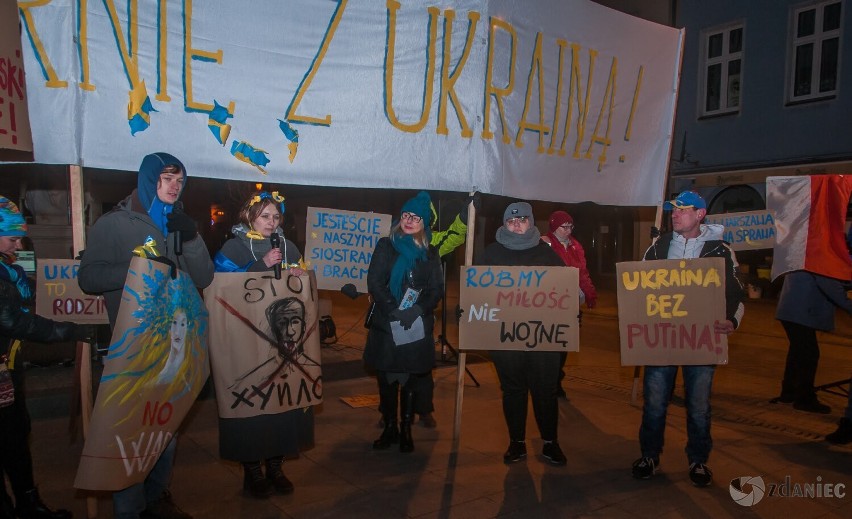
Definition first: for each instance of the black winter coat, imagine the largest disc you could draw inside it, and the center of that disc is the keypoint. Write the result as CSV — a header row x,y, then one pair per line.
x,y
381,353
15,323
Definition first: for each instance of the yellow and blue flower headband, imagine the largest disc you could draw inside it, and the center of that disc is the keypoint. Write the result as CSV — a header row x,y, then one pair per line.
x,y
264,195
274,196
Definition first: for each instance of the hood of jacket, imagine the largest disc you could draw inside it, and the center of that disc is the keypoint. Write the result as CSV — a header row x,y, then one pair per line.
x,y
681,247
149,175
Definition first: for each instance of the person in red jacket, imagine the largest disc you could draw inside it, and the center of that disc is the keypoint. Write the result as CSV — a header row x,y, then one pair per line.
x,y
573,255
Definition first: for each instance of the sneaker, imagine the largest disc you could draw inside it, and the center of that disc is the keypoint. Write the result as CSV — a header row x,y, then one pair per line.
x,y
645,467
553,454
700,474
843,434
812,406
164,508
516,452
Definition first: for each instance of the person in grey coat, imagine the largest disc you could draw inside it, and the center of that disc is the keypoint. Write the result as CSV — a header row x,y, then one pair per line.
x,y
266,439
150,215
806,304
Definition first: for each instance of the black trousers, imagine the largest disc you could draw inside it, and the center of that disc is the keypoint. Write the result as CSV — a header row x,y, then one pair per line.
x,y
802,360
389,393
16,460
523,374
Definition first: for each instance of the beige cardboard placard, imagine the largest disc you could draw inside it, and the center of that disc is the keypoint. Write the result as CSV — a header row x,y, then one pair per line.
x,y
58,296
14,113
356,401
264,342
519,308
667,309
156,366
340,244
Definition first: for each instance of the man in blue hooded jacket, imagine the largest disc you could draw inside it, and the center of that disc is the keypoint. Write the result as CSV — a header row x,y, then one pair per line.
x,y
149,213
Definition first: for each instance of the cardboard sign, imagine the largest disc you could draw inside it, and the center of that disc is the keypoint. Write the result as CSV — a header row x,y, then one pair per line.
x,y
340,244
747,231
58,296
14,116
156,366
519,308
667,309
264,342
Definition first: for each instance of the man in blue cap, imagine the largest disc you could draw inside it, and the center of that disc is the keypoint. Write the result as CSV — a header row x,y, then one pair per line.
x,y
689,239
151,214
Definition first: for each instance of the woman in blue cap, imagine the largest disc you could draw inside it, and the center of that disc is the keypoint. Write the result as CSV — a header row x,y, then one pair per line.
x,y
405,282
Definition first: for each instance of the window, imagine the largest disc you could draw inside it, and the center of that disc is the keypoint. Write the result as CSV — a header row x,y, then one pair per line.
x,y
721,68
815,51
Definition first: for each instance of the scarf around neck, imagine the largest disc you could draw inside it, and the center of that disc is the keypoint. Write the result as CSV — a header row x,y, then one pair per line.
x,y
515,241
16,275
409,254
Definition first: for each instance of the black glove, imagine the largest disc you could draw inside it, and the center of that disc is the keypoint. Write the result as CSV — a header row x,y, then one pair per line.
x,y
474,199
178,221
84,333
655,232
169,263
407,317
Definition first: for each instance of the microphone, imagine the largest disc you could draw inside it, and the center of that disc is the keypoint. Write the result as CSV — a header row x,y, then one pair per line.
x,y
275,241
178,206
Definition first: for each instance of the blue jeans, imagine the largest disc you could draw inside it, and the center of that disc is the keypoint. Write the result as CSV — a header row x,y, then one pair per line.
x,y
132,501
658,384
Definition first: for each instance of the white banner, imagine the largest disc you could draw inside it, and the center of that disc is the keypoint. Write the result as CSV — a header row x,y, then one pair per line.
x,y
506,97
750,230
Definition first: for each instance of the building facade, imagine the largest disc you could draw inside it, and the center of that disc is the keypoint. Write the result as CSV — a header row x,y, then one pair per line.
x,y
765,90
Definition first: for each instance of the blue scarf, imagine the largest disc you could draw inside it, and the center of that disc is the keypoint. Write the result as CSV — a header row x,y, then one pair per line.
x,y
16,275
409,254
159,212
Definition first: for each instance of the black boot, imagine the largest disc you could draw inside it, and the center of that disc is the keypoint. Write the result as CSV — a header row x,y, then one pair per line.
x,y
406,408
843,434
276,476
7,511
390,434
254,482
30,506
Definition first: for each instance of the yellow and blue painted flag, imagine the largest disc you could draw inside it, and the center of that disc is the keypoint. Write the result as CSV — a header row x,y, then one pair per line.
x,y
250,155
139,109
216,122
292,135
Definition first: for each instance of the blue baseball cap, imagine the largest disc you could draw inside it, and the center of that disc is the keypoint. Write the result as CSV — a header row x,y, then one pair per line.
x,y
685,200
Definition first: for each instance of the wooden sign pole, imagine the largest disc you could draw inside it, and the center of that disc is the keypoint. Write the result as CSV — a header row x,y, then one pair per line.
x,y
462,356
84,351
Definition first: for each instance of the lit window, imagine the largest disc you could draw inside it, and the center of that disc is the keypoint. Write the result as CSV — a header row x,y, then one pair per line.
x,y
721,69
815,54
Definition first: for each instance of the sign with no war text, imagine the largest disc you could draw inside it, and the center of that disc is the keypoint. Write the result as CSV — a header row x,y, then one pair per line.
x,y
667,310
519,308
58,296
340,245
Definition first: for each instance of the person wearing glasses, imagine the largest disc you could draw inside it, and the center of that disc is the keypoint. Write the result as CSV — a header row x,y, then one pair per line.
x,y
524,373
569,249
405,282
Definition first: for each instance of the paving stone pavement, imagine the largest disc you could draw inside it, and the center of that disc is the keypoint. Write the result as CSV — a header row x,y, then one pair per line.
x,y
598,427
